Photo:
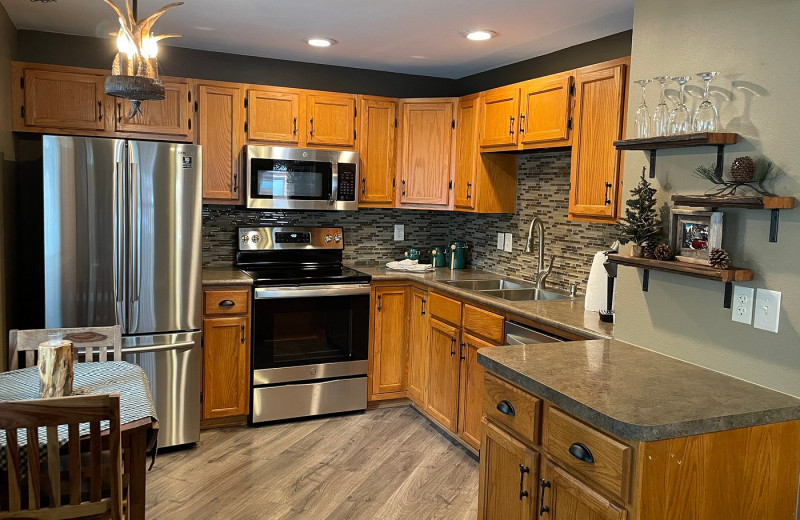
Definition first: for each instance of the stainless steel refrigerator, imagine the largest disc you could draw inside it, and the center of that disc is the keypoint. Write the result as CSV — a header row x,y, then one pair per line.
x,y
123,245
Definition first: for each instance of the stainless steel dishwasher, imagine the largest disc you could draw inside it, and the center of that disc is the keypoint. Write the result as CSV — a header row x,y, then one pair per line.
x,y
517,334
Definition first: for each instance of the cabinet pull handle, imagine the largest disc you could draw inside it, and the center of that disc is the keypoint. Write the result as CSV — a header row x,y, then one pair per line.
x,y
294,126
522,470
452,347
235,181
403,192
119,112
100,110
242,333
469,186
506,408
422,311
510,125
581,452
379,303
522,123
543,508
311,133
605,195
226,303
363,186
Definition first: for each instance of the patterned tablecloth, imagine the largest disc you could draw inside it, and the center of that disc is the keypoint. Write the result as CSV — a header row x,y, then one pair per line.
x,y
129,381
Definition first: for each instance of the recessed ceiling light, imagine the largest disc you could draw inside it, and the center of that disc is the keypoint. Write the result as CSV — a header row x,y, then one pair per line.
x,y
479,35
320,42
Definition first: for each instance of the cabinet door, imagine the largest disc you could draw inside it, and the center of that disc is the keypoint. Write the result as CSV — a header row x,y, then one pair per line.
x,y
599,111
546,111
377,148
471,394
426,160
467,157
389,344
509,477
331,120
499,117
443,367
570,499
418,351
225,367
64,100
273,116
220,130
171,116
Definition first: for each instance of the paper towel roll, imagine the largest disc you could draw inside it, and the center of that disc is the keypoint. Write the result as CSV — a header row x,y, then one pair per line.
x,y
597,285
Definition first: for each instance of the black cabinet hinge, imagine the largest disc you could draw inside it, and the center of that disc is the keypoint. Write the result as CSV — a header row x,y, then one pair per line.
x,y
195,106
453,124
355,111
245,127
354,135
190,123
394,183
450,185
245,102
21,82
22,111
201,397
190,96
569,123
395,122
572,89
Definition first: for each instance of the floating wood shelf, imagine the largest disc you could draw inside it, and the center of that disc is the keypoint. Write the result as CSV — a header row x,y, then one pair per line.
x,y
718,139
726,276
773,204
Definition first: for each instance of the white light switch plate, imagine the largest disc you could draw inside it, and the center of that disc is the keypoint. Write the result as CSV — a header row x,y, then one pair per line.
x,y
399,232
767,310
743,304
501,241
507,242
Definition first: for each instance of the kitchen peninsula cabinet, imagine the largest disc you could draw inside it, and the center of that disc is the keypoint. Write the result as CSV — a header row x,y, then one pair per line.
x,y
377,151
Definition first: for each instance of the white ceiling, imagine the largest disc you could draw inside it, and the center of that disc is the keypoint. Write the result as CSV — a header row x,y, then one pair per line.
x,y
410,36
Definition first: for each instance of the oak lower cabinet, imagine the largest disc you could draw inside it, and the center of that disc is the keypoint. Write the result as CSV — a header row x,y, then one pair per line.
x,y
470,410
377,151
443,366
388,353
226,353
571,499
418,346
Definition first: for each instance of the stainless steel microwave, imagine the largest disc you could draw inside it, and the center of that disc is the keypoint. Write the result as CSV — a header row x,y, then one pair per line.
x,y
299,178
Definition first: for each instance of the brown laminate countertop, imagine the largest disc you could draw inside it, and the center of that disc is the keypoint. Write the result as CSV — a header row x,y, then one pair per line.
x,y
225,276
567,315
636,393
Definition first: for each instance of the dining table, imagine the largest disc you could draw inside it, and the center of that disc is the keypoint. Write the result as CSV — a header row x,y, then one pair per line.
x,y
138,419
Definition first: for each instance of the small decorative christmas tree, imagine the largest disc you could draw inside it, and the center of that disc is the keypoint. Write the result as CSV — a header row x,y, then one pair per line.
x,y
641,223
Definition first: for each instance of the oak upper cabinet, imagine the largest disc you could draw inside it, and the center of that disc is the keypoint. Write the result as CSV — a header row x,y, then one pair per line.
x,y
498,120
599,117
467,156
170,118
570,499
545,111
331,120
389,340
508,478
273,115
56,99
443,367
377,151
427,147
220,131
418,346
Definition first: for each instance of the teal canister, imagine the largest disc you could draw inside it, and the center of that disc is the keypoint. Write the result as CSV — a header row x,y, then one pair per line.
x,y
439,256
412,253
456,255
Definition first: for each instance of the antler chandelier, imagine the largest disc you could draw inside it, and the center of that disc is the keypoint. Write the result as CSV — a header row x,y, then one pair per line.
x,y
134,74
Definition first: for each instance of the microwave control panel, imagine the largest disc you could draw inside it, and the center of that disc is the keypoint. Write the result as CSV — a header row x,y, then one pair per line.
x,y
347,182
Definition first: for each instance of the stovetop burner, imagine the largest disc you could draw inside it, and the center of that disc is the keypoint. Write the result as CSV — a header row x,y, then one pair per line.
x,y
318,275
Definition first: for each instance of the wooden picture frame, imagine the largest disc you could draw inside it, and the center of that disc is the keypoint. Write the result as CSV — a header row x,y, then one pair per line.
x,y
693,234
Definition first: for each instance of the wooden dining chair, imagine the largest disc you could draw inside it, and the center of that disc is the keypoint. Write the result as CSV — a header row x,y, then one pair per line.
x,y
86,482
23,344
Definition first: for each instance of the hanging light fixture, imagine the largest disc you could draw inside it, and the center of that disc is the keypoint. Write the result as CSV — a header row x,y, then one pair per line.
x,y
134,74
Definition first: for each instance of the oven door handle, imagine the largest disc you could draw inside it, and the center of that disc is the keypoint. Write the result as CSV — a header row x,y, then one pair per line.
x,y
308,291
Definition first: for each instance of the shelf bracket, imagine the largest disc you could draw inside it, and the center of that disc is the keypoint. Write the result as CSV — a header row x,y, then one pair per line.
x,y
653,163
720,159
646,280
774,219
728,294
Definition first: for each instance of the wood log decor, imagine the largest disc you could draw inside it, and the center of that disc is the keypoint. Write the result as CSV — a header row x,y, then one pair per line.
x,y
55,369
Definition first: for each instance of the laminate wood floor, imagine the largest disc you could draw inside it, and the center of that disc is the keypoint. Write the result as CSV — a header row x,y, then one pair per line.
x,y
389,463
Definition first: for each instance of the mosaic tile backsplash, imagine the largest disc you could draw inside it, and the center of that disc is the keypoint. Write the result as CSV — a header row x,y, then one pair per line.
x,y
543,190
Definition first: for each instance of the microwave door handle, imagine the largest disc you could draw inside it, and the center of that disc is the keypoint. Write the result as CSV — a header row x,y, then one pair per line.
x,y
334,183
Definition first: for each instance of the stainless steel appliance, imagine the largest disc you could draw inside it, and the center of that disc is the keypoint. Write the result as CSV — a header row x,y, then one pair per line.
x,y
300,178
518,334
310,323
122,240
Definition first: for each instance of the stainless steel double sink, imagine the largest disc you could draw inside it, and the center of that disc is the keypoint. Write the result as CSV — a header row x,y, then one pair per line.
x,y
507,290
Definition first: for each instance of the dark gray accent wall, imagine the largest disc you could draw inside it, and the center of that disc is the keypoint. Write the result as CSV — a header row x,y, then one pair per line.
x,y
604,49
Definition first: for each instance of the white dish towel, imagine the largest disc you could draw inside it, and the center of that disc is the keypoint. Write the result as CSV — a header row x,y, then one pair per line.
x,y
597,285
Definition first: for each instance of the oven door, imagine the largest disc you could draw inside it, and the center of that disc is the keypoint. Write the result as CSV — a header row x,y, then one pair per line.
x,y
326,326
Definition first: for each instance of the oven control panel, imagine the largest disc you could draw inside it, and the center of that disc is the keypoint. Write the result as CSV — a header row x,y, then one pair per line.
x,y
271,238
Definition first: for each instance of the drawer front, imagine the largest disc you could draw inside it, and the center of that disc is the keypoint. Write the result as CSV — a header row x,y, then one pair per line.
x,y
446,309
588,452
226,301
515,409
484,323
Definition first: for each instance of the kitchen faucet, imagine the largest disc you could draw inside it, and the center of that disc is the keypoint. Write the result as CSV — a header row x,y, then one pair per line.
x,y
541,273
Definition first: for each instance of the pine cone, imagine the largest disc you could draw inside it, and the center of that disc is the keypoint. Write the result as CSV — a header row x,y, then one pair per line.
x,y
743,169
719,259
648,249
663,252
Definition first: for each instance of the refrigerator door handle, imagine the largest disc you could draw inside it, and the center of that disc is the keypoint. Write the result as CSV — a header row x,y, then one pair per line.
x,y
119,244
134,262
182,345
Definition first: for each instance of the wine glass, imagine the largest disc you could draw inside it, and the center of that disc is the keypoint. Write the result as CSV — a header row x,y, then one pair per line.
x,y
661,113
642,112
680,120
706,117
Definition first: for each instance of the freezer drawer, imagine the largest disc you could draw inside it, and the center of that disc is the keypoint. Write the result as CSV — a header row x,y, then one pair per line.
x,y
274,403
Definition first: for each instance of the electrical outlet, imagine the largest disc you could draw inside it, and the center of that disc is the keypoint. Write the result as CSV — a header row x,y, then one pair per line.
x,y
399,232
501,241
767,310
507,242
742,304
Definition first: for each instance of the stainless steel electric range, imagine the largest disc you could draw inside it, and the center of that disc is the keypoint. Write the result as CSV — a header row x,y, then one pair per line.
x,y
310,323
